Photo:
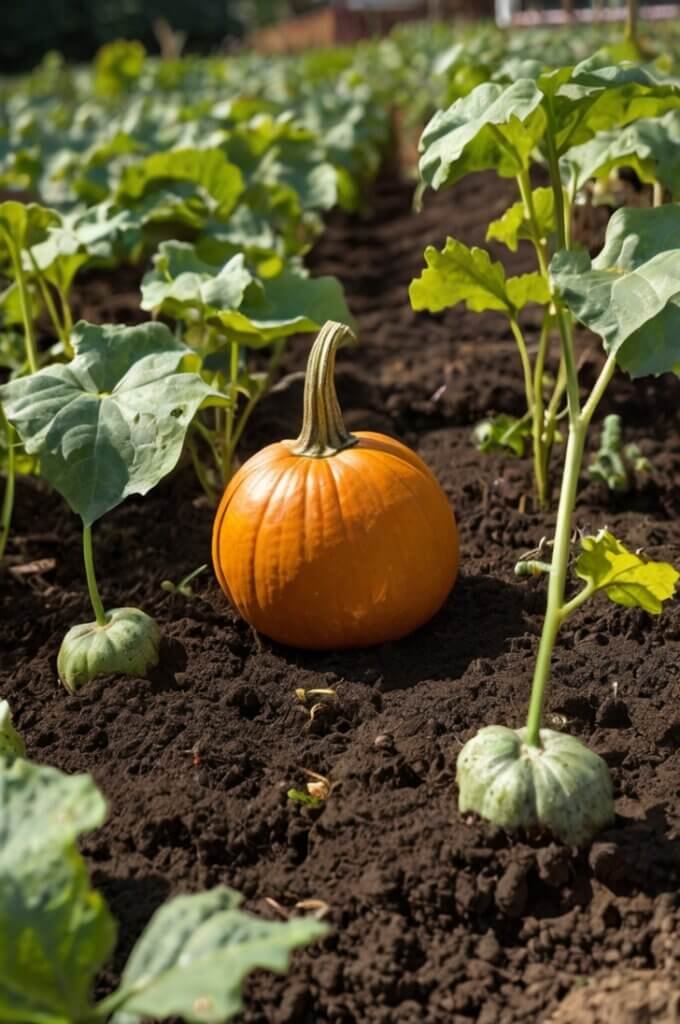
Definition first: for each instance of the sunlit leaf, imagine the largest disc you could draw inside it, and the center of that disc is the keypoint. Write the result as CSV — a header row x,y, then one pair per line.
x,y
514,226
626,578
460,274
495,126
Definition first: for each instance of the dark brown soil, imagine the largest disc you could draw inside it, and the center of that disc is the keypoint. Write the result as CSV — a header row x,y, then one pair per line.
x,y
435,919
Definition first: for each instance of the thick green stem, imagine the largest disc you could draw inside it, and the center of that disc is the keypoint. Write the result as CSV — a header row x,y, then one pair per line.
x,y
323,429
8,499
97,606
557,581
24,302
557,610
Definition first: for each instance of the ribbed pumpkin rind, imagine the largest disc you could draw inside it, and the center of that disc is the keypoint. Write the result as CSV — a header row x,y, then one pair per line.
x,y
353,550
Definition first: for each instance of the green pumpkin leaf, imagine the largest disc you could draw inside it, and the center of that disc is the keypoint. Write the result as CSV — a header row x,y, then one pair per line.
x,y
598,97
650,146
186,185
195,954
11,743
626,578
495,126
253,310
513,226
630,294
111,422
56,931
25,224
460,274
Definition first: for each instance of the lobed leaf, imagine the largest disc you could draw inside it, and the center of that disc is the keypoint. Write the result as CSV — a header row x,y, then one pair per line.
x,y
460,274
254,310
195,954
111,422
514,227
626,578
26,224
630,294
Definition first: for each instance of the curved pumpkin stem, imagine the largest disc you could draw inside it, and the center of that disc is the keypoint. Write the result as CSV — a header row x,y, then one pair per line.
x,y
323,430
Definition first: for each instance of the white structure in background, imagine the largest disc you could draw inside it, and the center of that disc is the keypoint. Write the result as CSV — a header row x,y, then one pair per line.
x,y
505,10
524,12
378,5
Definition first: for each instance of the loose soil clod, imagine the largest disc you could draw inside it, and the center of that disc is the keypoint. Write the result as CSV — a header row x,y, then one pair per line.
x,y
435,919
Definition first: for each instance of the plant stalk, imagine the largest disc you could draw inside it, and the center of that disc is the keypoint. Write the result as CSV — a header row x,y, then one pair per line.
x,y
557,580
556,609
24,302
59,327
97,606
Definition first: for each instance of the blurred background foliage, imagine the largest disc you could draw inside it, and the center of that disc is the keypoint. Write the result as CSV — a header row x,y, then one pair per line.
x,y
77,28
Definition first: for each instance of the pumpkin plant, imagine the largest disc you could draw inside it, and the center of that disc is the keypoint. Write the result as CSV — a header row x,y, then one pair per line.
x,y
110,423
568,120
630,295
191,960
229,312
334,539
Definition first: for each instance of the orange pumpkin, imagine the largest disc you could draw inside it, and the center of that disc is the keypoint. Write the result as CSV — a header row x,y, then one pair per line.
x,y
335,539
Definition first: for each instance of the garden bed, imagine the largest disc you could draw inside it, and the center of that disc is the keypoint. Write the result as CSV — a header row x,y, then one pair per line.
x,y
435,919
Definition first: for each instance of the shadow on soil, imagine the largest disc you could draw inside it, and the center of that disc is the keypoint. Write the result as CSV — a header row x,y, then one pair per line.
x,y
483,613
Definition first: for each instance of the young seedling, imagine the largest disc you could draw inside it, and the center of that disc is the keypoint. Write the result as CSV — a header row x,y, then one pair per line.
x,y
314,700
536,778
184,585
110,423
318,790
616,463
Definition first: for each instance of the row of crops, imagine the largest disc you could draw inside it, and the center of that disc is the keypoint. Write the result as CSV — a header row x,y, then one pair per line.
x,y
213,177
